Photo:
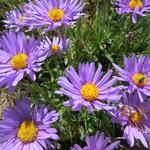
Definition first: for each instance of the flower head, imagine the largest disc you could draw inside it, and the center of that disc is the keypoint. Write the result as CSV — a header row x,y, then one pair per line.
x,y
136,73
136,7
52,14
57,45
19,56
15,18
22,129
134,116
88,88
97,142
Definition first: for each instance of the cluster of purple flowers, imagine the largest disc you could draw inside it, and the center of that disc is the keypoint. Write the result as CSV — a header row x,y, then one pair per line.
x,y
25,129
20,56
126,104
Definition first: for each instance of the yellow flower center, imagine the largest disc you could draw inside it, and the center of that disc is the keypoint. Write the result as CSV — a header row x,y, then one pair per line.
x,y
19,61
135,3
56,14
140,79
27,131
55,48
89,92
20,19
136,117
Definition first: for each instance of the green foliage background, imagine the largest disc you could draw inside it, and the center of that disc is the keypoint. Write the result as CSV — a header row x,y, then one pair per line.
x,y
101,36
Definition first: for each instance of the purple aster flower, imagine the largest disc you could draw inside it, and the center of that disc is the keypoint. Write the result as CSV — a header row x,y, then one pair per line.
x,y
19,56
137,74
88,88
57,45
22,129
97,142
136,7
134,116
52,14
15,19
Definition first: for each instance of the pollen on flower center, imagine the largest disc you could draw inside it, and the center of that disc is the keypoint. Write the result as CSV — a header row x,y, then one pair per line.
x,y
19,61
27,131
56,14
136,117
55,48
140,79
20,19
135,3
89,92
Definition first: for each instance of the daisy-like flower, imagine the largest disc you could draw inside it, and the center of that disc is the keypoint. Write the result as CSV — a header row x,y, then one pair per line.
x,y
52,14
136,7
137,74
57,45
88,88
134,116
19,56
22,129
15,19
97,142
